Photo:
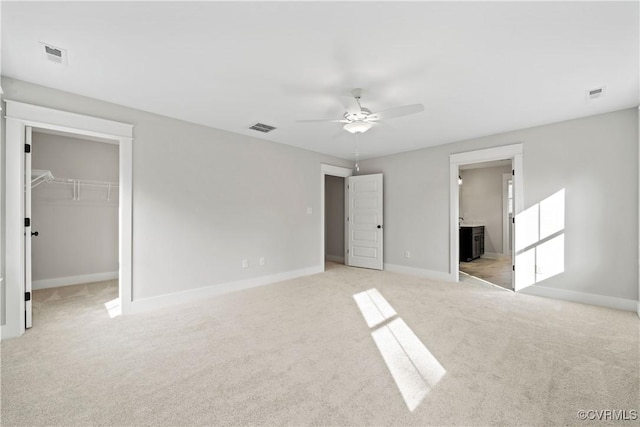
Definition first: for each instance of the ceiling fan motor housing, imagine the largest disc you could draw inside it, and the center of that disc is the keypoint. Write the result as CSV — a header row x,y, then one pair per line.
x,y
363,114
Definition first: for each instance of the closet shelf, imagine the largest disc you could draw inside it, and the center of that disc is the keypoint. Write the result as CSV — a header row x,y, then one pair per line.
x,y
38,176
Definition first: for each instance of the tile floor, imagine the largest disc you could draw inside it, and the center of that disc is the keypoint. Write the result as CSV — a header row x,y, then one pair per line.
x,y
496,271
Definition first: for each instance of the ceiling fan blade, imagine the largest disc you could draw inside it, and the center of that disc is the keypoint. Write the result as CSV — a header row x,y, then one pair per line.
x,y
322,121
350,104
390,113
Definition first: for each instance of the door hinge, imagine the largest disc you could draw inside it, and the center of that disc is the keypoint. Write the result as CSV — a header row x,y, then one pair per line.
x,y
27,148
347,250
513,172
347,186
27,296
27,222
347,219
513,267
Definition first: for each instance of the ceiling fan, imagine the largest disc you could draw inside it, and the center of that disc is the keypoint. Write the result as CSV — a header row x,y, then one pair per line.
x,y
358,119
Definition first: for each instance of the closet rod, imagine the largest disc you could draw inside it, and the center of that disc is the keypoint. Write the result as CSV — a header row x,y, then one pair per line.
x,y
39,176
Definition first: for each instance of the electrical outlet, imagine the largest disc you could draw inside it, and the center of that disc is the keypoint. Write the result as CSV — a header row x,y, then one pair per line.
x,y
245,263
261,260
538,269
309,211
407,254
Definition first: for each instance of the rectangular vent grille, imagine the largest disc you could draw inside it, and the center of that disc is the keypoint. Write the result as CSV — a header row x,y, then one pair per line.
x,y
52,51
261,127
54,54
596,93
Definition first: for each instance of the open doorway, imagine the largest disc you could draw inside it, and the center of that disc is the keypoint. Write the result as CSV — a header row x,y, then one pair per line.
x,y
362,214
20,117
74,224
457,163
334,224
486,209
333,176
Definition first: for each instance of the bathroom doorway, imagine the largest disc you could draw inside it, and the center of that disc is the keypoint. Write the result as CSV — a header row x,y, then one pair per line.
x,y
458,164
484,217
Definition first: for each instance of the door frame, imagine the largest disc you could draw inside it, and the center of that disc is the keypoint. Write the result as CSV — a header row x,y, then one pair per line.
x,y
19,115
352,228
513,152
505,214
341,172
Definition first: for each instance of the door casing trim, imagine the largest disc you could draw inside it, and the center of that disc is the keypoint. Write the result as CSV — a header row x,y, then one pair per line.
x,y
19,115
513,152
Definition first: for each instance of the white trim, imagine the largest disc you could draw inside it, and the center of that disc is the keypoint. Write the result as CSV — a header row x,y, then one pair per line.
x,y
513,152
419,272
19,115
505,213
581,297
336,170
146,304
486,155
74,280
65,121
341,172
334,258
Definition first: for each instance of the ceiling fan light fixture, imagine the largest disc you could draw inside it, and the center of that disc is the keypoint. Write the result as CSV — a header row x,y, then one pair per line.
x,y
357,127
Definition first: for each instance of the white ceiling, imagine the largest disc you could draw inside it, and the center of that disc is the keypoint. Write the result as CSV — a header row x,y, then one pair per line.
x,y
479,68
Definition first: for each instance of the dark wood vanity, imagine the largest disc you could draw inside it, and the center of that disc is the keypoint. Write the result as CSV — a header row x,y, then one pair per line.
x,y
471,242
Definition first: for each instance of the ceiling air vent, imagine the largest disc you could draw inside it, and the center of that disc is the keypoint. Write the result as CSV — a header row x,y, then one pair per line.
x,y
261,127
54,54
595,93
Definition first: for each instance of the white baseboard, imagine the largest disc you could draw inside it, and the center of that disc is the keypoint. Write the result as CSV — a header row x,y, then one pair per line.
x,y
581,297
334,258
73,280
412,271
145,304
493,255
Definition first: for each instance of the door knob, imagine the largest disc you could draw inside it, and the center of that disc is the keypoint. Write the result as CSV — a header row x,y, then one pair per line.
x,y
34,233
379,226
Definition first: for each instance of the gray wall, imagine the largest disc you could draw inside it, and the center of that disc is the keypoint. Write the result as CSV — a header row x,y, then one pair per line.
x,y
334,216
205,199
2,207
481,202
595,159
80,237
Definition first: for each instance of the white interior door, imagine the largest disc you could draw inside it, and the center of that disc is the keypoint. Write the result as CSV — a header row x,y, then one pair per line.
x,y
365,221
27,229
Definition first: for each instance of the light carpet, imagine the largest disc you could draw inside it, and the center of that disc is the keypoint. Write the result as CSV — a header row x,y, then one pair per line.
x,y
300,353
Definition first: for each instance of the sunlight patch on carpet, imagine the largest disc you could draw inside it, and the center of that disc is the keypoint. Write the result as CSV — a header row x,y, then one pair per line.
x,y
413,368
374,307
114,309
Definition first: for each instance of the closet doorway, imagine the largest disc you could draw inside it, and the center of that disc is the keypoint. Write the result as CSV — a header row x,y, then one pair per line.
x,y
332,176
74,225
334,215
21,118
